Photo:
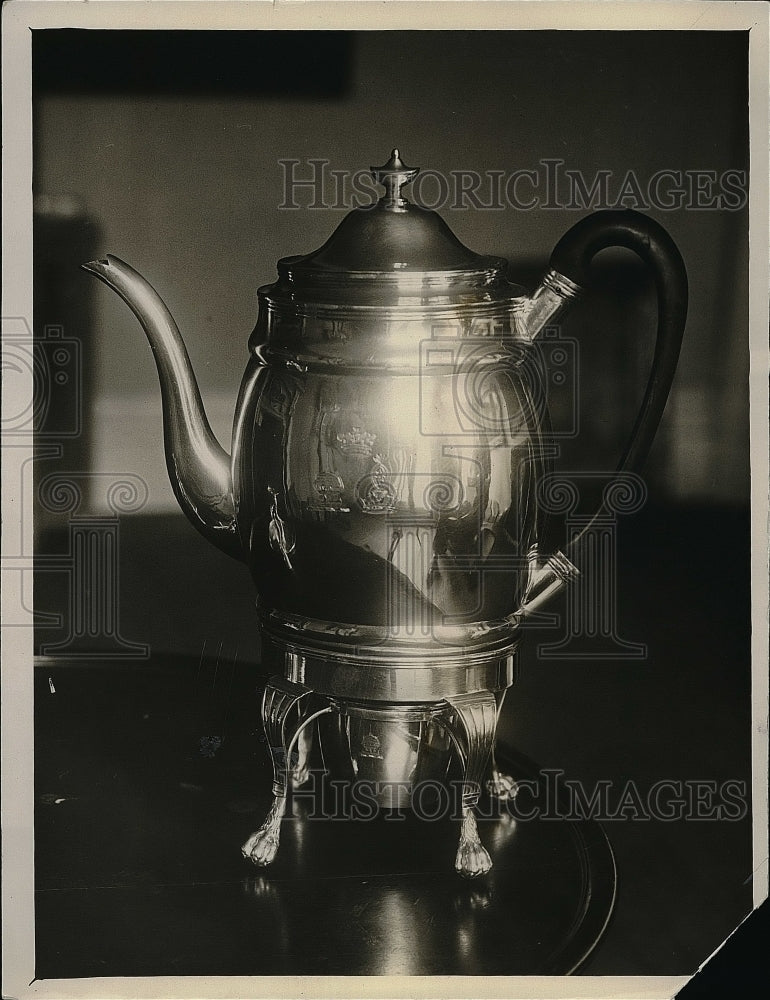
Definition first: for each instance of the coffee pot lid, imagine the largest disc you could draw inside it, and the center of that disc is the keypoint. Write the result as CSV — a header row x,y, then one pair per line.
x,y
391,242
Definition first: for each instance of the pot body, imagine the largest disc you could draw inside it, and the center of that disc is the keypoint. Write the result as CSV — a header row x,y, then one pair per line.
x,y
386,465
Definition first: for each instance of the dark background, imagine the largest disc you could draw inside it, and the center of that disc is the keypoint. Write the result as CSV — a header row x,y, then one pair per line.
x,y
164,148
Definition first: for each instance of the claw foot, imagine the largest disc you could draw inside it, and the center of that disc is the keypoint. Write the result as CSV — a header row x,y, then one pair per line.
x,y
472,859
502,786
262,846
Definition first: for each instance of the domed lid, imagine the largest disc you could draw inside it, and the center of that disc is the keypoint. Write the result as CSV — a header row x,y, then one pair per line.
x,y
390,243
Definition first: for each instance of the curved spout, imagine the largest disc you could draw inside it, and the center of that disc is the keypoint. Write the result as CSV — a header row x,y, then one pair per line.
x,y
198,467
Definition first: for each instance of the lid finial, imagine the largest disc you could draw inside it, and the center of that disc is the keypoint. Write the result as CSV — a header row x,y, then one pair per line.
x,y
393,175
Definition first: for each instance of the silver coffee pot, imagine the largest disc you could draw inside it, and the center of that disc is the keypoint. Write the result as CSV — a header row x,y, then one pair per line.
x,y
383,485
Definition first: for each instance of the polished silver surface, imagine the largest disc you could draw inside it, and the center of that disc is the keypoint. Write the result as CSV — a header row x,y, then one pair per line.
x,y
487,636
411,498
391,751
545,304
199,469
396,750
472,729
387,452
390,679
393,175
287,711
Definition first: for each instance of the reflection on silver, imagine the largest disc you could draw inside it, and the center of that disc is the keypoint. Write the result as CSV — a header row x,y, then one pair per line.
x,y
545,304
278,532
387,452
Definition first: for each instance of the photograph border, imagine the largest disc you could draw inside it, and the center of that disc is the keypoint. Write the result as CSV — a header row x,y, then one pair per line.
x,y
20,19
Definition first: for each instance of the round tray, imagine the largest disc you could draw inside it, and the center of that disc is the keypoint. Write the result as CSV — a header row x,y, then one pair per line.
x,y
381,897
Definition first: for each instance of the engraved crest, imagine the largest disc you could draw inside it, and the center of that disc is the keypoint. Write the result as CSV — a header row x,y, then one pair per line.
x,y
329,487
355,441
370,746
377,492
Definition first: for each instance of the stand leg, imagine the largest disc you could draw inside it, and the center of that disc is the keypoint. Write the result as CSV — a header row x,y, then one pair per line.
x,y
472,728
262,845
499,785
301,771
285,715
